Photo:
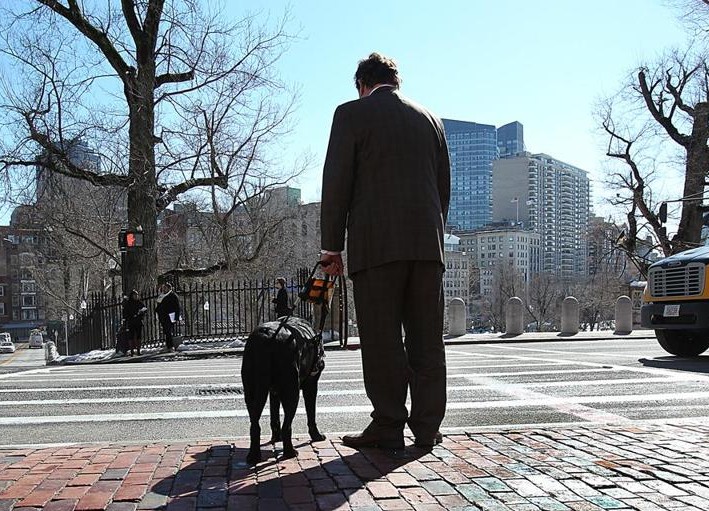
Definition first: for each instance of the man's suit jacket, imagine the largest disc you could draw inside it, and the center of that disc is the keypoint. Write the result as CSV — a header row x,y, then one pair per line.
x,y
386,181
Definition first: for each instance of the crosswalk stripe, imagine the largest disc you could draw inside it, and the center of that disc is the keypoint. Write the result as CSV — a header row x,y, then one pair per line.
x,y
463,405
543,384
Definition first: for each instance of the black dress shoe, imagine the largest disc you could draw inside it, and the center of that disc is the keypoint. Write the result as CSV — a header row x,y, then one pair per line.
x,y
428,443
366,439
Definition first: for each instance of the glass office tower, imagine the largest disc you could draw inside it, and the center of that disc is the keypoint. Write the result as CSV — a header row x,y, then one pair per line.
x,y
472,148
510,139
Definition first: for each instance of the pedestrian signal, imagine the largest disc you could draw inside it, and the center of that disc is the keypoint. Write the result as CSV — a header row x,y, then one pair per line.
x,y
130,239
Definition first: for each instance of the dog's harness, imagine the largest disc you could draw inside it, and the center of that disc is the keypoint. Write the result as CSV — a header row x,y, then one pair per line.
x,y
318,292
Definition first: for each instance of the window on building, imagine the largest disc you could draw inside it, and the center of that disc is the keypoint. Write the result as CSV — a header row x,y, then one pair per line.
x,y
28,287
29,314
2,290
2,309
28,301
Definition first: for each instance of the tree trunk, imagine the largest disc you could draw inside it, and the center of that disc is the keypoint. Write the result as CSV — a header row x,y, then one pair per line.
x,y
690,225
141,263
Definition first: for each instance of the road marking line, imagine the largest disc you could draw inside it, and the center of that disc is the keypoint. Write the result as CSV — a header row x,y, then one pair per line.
x,y
524,394
616,367
221,376
573,383
572,406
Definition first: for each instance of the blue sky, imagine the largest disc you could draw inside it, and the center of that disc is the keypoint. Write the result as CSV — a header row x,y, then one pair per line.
x,y
542,63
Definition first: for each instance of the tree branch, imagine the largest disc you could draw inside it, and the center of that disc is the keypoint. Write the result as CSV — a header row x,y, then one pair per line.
x,y
662,120
173,192
74,16
173,78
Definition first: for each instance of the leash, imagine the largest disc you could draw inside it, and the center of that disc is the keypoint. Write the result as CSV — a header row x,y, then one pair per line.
x,y
316,291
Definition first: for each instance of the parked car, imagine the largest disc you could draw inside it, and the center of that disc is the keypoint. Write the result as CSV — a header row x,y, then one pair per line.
x,y
6,345
36,339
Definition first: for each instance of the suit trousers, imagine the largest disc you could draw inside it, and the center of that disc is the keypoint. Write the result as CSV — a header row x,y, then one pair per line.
x,y
387,297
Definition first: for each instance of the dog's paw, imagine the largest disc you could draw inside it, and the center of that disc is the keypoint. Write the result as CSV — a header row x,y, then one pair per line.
x,y
316,436
253,457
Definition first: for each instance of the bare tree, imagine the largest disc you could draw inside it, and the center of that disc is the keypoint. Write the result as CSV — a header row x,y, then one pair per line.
x,y
173,97
544,298
666,102
506,283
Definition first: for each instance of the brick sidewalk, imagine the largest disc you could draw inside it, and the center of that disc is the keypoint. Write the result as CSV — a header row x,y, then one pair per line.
x,y
644,467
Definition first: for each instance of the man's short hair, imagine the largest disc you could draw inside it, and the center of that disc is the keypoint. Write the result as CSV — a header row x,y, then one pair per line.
x,y
377,69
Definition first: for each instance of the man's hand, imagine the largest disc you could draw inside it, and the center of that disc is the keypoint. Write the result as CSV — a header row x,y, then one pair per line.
x,y
332,264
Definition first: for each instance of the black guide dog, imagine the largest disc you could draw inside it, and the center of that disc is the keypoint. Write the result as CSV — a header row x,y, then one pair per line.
x,y
281,364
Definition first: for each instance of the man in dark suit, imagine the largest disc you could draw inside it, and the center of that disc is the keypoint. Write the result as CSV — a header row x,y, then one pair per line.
x,y
386,182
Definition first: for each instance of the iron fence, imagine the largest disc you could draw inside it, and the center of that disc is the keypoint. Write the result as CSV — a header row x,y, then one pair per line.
x,y
211,311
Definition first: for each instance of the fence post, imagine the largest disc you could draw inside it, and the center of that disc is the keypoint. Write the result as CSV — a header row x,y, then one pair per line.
x,y
623,315
570,316
514,316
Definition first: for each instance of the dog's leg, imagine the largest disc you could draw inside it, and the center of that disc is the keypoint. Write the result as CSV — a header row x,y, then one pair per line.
x,y
255,404
255,377
289,393
310,392
275,405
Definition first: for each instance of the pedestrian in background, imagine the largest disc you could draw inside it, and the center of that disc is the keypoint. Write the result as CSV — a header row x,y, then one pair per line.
x,y
133,312
281,299
386,183
168,313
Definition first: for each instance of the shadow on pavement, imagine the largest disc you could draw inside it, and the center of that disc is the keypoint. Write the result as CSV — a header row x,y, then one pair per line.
x,y
324,475
695,365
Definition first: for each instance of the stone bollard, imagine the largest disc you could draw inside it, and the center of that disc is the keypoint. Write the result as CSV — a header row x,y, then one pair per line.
x,y
50,352
570,316
623,315
514,316
456,317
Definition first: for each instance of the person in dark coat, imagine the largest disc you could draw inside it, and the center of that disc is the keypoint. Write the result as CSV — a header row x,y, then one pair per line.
x,y
133,313
281,299
168,312
386,189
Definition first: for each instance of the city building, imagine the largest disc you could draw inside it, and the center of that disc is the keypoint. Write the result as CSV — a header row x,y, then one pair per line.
x,y
50,185
22,300
456,278
510,139
540,193
271,234
489,249
472,148
604,255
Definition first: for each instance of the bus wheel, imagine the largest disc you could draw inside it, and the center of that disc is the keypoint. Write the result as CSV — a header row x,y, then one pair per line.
x,y
683,343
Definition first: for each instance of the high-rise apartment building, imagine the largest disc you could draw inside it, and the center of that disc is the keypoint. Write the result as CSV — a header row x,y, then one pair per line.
x,y
551,198
472,148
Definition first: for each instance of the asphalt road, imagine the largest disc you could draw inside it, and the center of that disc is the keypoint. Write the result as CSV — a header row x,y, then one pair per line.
x,y
22,360
617,381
